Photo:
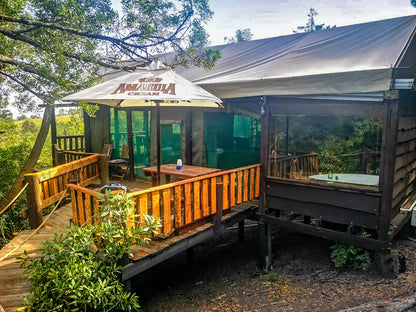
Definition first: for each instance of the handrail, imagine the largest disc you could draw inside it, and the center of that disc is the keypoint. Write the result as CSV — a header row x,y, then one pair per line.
x,y
295,167
71,142
14,199
180,205
45,187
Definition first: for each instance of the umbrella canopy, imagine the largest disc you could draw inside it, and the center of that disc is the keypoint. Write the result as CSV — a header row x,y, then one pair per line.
x,y
147,86
154,85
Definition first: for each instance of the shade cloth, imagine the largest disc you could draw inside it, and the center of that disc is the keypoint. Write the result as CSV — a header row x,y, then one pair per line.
x,y
350,59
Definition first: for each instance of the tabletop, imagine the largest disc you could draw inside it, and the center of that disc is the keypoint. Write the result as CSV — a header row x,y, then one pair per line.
x,y
187,171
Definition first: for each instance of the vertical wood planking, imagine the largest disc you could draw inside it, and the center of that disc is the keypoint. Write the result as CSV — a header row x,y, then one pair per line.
x,y
225,192
167,221
205,197
178,207
87,205
257,194
142,207
232,189
188,204
156,205
45,190
197,200
74,206
251,183
55,187
81,208
213,195
239,186
245,186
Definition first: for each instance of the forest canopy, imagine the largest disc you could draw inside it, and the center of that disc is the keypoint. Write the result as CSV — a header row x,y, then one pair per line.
x,y
53,47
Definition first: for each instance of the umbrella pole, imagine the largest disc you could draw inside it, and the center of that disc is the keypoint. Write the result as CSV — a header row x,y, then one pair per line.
x,y
159,144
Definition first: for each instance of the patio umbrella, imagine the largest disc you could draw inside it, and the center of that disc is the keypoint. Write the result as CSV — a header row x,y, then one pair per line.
x,y
153,85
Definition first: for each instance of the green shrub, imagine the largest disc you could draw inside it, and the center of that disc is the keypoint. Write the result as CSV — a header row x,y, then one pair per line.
x,y
347,257
80,270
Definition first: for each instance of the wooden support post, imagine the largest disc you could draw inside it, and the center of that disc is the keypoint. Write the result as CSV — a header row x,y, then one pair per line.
x,y
264,154
130,141
87,133
388,157
127,285
241,232
53,136
33,201
389,265
104,174
188,136
265,250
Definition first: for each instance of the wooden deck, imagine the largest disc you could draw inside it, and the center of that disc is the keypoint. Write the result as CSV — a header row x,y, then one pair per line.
x,y
14,283
146,256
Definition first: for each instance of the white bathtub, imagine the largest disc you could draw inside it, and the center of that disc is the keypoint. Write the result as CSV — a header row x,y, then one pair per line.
x,y
361,179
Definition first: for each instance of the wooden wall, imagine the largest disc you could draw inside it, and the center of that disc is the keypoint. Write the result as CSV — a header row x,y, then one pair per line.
x,y
97,130
405,166
333,204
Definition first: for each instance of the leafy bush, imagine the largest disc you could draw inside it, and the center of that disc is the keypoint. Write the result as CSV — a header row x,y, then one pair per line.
x,y
347,257
80,270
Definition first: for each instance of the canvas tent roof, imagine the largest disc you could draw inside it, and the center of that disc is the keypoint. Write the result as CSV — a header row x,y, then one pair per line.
x,y
352,59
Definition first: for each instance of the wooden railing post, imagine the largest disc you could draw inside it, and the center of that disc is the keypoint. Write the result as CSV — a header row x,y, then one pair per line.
x,y
104,174
33,201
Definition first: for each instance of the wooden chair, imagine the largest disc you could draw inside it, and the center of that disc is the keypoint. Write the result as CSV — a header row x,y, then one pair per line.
x,y
119,168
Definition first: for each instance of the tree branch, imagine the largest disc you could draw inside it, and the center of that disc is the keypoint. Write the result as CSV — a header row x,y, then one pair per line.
x,y
81,58
43,97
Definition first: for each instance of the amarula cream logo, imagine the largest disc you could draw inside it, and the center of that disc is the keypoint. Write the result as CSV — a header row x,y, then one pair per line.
x,y
146,87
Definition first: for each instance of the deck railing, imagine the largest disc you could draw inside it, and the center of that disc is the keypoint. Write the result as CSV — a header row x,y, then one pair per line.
x,y
64,157
71,142
181,205
294,167
47,187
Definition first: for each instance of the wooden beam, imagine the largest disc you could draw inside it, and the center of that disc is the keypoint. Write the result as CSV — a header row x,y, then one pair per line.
x,y
130,142
390,126
318,107
343,237
188,136
264,152
53,136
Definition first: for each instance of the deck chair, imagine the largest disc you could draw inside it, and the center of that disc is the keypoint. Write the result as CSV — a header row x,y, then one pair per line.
x,y
119,168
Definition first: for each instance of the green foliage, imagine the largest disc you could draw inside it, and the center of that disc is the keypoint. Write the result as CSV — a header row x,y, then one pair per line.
x,y
339,141
347,257
54,47
273,277
80,270
311,24
240,35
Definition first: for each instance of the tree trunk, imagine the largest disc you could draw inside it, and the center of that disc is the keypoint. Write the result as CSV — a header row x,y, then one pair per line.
x,y
33,157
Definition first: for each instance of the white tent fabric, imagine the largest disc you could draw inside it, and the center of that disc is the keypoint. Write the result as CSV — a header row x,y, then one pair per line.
x,y
351,59
144,87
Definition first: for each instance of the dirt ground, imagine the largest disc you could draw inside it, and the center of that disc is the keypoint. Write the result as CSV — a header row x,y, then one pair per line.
x,y
224,276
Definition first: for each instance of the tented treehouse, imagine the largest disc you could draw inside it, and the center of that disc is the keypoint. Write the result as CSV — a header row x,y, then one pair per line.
x,y
337,114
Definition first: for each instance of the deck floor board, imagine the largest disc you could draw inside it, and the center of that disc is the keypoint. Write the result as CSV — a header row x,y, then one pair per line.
x,y
14,283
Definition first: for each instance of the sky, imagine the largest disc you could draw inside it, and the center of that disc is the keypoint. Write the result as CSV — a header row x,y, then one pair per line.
x,y
272,18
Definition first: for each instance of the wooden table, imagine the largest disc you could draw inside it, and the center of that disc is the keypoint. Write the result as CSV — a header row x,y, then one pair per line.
x,y
170,170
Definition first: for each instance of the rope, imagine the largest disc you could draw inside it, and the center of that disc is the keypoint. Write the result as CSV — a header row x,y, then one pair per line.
x,y
14,199
37,229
